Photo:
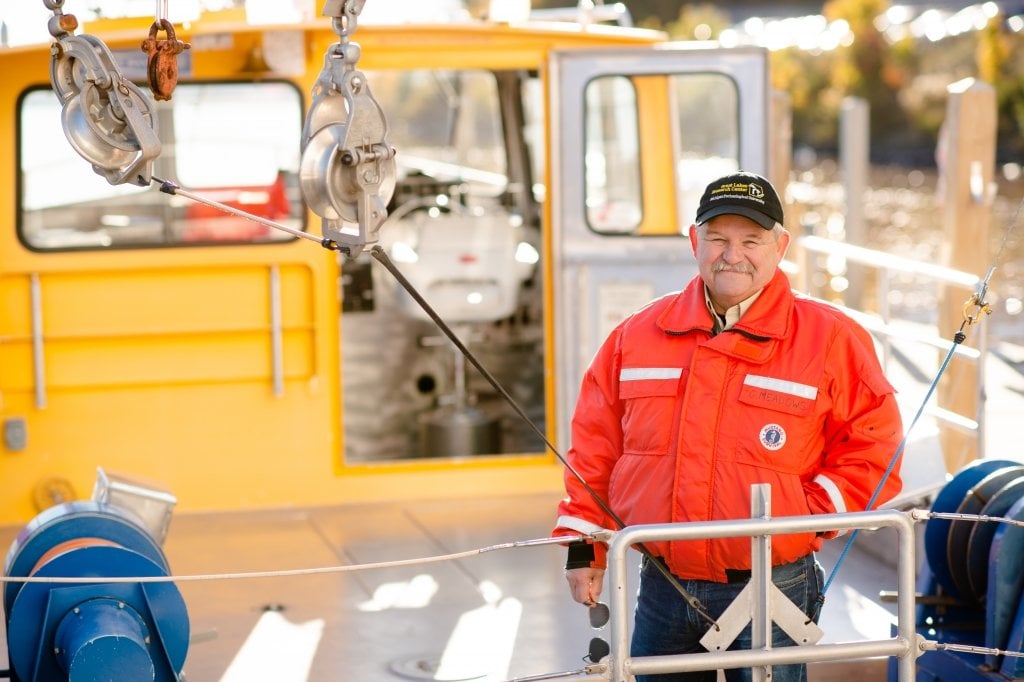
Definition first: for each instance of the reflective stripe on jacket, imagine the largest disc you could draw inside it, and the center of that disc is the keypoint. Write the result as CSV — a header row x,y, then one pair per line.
x,y
674,424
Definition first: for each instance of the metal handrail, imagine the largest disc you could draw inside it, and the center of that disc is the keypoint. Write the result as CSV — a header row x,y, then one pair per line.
x,y
906,645
882,325
887,261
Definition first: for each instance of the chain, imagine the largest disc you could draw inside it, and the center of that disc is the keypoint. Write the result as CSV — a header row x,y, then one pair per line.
x,y
345,20
60,24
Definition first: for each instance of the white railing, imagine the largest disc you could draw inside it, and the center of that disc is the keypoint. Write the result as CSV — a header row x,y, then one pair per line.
x,y
886,328
905,645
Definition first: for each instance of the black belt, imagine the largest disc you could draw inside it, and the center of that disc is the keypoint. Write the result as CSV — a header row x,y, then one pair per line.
x,y
737,575
742,575
734,575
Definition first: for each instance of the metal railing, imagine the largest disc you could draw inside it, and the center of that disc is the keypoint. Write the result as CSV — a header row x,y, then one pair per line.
x,y
890,267
906,645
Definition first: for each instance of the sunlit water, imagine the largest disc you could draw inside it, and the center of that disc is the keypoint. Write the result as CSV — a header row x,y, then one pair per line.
x,y
903,212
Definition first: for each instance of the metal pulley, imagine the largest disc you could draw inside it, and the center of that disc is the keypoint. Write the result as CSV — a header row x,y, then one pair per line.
x,y
347,170
107,119
162,66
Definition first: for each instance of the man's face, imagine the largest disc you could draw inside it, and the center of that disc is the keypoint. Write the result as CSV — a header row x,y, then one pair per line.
x,y
736,257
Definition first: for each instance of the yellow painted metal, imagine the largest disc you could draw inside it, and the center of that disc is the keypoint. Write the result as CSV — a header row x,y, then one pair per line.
x,y
661,207
158,362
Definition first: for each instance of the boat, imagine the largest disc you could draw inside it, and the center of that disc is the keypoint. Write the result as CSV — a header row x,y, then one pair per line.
x,y
215,309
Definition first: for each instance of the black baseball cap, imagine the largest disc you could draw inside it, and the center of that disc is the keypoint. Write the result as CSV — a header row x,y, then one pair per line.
x,y
745,194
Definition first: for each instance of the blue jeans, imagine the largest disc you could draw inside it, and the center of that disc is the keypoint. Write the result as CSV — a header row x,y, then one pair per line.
x,y
665,624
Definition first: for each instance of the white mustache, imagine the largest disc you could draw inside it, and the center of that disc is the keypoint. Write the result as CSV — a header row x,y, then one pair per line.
x,y
741,268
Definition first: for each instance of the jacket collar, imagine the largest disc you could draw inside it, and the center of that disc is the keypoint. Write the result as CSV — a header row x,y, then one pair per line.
x,y
768,317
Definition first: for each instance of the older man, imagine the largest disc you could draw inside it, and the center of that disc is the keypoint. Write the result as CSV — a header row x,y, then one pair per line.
x,y
733,381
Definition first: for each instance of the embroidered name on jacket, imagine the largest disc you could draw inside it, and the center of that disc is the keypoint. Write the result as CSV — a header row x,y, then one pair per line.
x,y
778,394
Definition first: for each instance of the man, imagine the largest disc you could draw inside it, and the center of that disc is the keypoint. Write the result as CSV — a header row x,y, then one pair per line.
x,y
691,400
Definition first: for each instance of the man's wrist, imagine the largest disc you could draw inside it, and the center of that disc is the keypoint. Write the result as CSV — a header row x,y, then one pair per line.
x,y
581,555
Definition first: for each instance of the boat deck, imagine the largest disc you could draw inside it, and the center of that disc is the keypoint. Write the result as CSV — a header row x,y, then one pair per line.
x,y
496,615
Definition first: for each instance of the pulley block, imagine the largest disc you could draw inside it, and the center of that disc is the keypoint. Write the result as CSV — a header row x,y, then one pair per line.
x,y
107,119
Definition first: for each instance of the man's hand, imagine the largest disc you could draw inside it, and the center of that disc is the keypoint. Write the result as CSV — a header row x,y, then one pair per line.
x,y
585,584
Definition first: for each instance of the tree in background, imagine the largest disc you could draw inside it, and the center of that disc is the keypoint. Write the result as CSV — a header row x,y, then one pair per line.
x,y
871,68
814,102
817,82
701,21
999,61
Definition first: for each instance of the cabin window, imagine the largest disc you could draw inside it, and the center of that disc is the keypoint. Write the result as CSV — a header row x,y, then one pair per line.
x,y
455,231
612,157
446,126
708,129
532,96
701,132
235,143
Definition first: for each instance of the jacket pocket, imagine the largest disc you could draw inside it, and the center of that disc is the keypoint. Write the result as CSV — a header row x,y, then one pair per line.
x,y
648,413
780,395
779,442
640,489
778,426
734,489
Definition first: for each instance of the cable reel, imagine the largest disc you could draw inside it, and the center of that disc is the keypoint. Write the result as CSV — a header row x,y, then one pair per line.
x,y
107,119
347,170
101,626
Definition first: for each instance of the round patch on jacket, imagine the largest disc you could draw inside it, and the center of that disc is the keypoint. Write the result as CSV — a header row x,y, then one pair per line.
x,y
772,436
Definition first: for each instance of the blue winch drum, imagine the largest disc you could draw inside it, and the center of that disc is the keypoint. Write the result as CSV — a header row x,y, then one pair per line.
x,y
948,501
975,501
91,630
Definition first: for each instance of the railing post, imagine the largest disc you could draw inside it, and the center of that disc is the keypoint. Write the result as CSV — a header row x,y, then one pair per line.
x,y
761,578
906,604
966,159
618,629
854,160
884,312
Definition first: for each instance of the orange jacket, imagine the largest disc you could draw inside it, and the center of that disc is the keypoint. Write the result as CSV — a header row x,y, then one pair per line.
x,y
673,424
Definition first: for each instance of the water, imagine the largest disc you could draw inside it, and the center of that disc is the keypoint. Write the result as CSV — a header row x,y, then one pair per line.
x,y
904,217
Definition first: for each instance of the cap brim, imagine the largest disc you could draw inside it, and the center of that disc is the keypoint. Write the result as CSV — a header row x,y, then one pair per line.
x,y
762,219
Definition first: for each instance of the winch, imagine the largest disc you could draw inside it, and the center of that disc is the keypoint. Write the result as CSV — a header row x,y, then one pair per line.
x,y
76,615
971,585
